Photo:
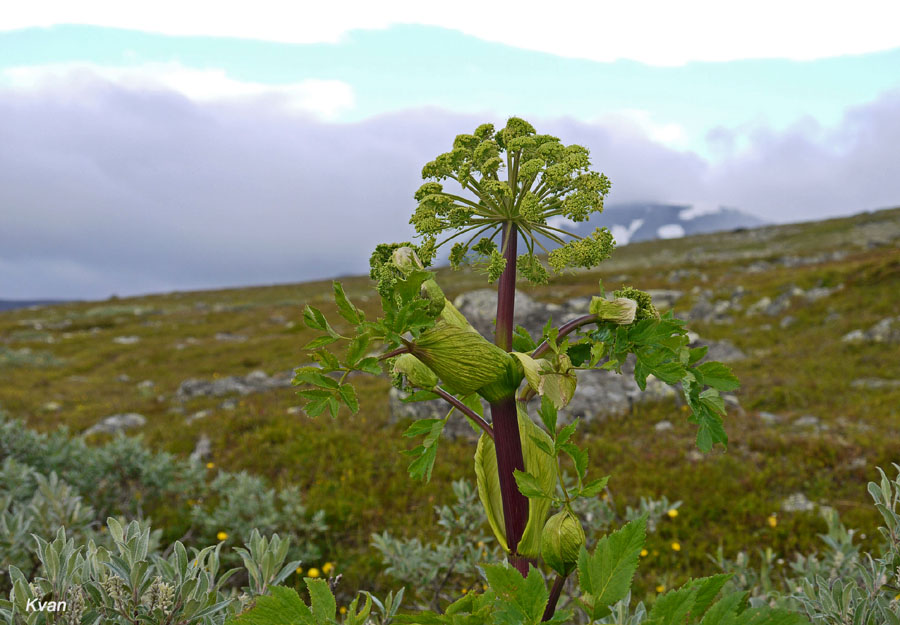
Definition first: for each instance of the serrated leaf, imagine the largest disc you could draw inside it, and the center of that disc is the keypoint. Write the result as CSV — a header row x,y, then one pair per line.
x,y
530,486
594,487
707,589
322,601
357,347
369,365
522,341
420,427
320,341
347,310
543,445
606,574
521,601
578,456
548,413
314,318
348,394
697,354
579,353
718,376
281,605
314,377
673,607
421,467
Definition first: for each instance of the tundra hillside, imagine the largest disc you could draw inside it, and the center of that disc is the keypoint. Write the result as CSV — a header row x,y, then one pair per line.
x,y
807,315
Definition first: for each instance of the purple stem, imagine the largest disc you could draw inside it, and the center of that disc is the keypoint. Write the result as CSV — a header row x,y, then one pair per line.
x,y
507,439
554,597
453,401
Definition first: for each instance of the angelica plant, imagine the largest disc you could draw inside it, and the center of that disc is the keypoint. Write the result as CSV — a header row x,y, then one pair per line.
x,y
508,185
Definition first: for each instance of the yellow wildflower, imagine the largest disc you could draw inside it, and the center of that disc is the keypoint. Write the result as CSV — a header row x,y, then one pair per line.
x,y
676,546
314,572
672,513
343,610
465,590
772,521
210,465
221,536
299,570
328,567
660,588
644,552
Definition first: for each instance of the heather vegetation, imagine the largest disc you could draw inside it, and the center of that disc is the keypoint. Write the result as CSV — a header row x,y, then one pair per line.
x,y
806,314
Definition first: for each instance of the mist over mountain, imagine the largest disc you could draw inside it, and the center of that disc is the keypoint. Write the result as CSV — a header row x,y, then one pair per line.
x,y
643,221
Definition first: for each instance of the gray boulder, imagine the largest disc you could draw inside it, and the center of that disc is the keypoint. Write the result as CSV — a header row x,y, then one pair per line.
x,y
253,382
117,423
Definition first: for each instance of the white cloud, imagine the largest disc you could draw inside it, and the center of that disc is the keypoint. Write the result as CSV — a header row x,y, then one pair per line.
x,y
659,32
326,98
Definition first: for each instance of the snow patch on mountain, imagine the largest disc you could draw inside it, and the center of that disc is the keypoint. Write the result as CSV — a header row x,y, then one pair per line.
x,y
698,209
670,231
623,235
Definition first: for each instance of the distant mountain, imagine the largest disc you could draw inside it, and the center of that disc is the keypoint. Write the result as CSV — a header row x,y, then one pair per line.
x,y
12,304
641,221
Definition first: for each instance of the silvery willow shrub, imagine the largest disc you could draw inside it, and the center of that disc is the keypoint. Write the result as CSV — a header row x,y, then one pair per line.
x,y
508,187
437,572
48,481
841,584
131,582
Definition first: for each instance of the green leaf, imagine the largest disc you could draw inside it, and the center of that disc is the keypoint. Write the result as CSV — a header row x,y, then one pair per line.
x,y
348,394
530,486
725,610
369,365
320,341
606,575
521,601
697,354
566,433
311,375
347,310
420,427
578,456
543,445
357,348
323,604
282,605
522,341
579,353
548,413
314,318
673,607
421,467
594,487
718,376
707,589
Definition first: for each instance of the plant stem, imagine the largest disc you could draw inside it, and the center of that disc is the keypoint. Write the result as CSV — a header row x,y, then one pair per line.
x,y
506,292
453,401
507,439
554,598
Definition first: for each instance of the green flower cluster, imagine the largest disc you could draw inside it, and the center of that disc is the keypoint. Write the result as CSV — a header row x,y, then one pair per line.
x,y
645,307
543,179
386,273
587,252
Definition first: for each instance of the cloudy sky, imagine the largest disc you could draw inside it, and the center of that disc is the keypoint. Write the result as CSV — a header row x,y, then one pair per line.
x,y
148,147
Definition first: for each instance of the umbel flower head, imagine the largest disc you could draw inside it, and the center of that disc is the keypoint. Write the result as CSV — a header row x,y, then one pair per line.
x,y
513,177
